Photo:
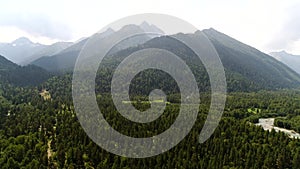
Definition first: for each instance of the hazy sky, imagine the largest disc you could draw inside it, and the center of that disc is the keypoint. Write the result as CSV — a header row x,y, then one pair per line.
x,y
269,25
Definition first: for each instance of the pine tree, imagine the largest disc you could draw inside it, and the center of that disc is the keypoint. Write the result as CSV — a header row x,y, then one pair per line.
x,y
296,160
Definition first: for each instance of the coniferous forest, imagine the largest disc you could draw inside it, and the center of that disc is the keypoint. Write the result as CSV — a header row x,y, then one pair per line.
x,y
43,132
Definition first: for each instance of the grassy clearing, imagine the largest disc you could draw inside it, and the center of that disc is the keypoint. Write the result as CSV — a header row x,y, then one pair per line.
x,y
254,110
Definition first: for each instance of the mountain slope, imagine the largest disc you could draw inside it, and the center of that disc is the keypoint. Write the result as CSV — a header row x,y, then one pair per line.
x,y
21,75
293,61
64,60
255,66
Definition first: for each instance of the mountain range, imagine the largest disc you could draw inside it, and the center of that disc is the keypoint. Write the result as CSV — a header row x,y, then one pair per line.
x,y
23,51
246,68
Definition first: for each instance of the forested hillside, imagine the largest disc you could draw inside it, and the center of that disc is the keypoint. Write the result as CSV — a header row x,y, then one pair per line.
x,y
246,68
21,75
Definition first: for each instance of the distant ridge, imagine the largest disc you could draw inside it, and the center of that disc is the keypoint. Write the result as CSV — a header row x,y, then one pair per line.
x,y
23,51
65,60
293,61
47,51
20,49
